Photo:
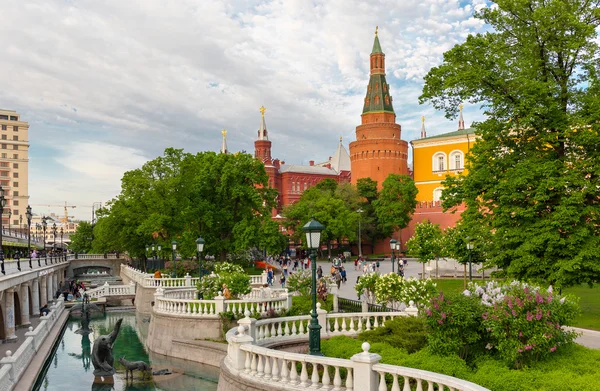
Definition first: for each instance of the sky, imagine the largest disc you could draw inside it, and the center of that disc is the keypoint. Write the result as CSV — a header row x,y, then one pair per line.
x,y
108,85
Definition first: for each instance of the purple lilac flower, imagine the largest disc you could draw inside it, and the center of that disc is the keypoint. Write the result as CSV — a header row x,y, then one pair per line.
x,y
529,316
553,348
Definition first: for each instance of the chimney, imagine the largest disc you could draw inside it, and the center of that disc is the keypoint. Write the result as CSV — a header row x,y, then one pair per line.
x,y
311,163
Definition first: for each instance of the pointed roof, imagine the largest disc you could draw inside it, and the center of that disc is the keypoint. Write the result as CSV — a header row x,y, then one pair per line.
x,y
461,121
423,132
224,144
341,159
262,131
376,45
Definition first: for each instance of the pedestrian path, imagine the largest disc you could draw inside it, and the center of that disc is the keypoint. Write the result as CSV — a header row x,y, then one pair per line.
x,y
20,333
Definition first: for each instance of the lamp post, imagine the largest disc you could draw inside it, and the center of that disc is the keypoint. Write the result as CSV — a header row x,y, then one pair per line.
x,y
147,257
398,257
28,215
199,248
393,247
174,246
359,211
158,257
21,224
53,241
470,248
313,231
9,217
2,205
44,226
61,239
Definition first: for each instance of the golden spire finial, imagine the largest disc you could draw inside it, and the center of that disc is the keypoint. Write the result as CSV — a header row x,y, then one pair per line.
x,y
460,106
340,139
262,110
376,28
224,132
423,119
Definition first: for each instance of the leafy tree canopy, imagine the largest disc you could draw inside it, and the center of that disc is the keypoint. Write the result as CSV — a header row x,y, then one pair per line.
x,y
179,196
396,203
533,175
81,239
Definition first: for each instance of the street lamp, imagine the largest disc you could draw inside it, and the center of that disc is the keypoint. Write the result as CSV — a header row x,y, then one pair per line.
x,y
157,260
147,256
9,217
313,231
393,247
174,246
199,248
2,205
28,215
21,224
61,239
470,249
53,240
359,211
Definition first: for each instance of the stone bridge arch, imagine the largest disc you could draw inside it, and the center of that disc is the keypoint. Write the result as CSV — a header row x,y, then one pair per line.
x,y
112,266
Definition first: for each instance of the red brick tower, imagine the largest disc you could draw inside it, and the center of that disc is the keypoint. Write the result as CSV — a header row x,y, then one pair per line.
x,y
262,152
378,150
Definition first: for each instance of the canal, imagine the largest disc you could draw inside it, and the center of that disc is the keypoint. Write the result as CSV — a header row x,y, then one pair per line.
x,y
70,367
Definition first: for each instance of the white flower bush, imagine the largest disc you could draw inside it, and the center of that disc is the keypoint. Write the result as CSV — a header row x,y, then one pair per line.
x,y
392,290
227,268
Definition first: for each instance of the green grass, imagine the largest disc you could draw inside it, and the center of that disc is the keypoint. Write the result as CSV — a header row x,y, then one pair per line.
x,y
253,271
589,301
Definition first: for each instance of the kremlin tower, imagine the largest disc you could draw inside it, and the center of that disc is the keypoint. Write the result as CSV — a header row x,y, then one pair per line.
x,y
378,150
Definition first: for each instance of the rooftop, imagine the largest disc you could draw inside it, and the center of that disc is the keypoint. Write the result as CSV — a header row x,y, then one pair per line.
x,y
307,169
462,132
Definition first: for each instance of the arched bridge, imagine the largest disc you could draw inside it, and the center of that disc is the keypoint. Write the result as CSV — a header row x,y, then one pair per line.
x,y
86,263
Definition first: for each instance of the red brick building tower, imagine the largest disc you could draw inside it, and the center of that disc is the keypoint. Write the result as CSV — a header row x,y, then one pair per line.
x,y
378,150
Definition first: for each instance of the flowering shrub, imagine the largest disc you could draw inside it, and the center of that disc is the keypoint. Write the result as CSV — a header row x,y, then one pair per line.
x,y
300,281
388,289
233,275
419,291
183,267
517,321
366,285
226,267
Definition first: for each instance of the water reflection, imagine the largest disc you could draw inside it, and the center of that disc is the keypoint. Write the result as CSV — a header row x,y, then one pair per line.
x,y
71,364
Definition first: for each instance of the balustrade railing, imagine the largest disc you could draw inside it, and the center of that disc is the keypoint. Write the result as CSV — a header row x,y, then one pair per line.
x,y
186,308
111,290
14,364
249,358
183,293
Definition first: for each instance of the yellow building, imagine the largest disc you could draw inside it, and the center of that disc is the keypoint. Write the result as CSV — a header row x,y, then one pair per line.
x,y
437,156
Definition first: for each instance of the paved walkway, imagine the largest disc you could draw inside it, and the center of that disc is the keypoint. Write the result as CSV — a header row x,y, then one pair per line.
x,y
20,332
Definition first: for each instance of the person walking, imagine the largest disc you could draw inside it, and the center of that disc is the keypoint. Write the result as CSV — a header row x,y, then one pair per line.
x,y
319,272
343,273
282,281
356,264
338,279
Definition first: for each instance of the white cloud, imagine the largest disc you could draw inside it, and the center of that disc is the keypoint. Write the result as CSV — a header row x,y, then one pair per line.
x,y
149,74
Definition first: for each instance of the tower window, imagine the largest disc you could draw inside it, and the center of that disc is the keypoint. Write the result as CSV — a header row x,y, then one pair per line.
x,y
439,162
456,160
376,86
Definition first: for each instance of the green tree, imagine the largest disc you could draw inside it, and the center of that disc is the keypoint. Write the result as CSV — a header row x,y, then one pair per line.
x,y
425,244
81,239
396,203
370,227
532,180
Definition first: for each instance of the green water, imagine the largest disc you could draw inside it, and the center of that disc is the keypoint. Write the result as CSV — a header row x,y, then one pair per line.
x,y
70,366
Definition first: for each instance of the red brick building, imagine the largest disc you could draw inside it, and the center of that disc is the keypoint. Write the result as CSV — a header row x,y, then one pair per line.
x,y
292,180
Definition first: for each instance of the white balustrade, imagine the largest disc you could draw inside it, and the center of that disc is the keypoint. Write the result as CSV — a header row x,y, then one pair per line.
x,y
259,293
297,371
14,364
268,330
258,305
181,307
403,377
357,322
183,293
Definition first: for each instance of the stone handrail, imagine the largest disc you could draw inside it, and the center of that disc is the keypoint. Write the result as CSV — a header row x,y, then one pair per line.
x,y
111,290
418,377
13,365
170,282
259,293
181,293
357,322
250,359
212,308
281,367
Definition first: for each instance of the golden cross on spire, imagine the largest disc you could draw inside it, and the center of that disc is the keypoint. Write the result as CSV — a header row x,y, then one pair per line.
x,y
423,119
340,139
460,106
376,28
224,132
262,110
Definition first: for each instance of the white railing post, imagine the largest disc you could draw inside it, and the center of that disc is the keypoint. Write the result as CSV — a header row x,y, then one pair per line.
x,y
365,378
412,309
219,303
106,288
322,318
237,355
188,280
158,294
132,287
264,277
288,301
249,324
10,360
334,292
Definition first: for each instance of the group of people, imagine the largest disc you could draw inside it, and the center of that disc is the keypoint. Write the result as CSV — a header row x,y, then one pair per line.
x,y
71,290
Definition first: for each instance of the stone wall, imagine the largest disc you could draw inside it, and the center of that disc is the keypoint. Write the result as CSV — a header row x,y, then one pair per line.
x,y
143,298
164,330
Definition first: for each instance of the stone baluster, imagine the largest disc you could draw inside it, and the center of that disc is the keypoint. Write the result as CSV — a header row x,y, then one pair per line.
x,y
365,378
238,357
249,324
220,303
188,280
322,317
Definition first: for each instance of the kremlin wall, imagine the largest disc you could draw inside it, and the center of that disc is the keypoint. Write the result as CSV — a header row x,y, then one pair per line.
x,y
377,152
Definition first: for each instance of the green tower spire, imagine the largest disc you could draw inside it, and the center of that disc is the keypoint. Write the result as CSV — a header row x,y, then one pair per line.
x,y
376,45
378,99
